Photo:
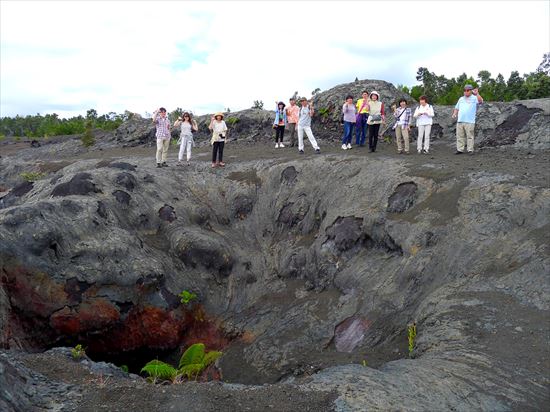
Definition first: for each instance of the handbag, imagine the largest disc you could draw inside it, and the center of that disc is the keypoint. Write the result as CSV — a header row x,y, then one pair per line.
x,y
375,117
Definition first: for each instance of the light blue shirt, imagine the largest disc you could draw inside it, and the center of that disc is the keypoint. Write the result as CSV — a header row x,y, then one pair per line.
x,y
305,118
467,107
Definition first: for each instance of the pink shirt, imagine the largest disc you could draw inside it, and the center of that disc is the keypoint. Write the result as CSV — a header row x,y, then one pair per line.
x,y
292,114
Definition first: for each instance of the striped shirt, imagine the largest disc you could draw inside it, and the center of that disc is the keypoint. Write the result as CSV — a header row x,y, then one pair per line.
x,y
163,128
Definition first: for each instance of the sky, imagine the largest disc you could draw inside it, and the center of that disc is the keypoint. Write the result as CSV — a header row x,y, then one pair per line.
x,y
67,57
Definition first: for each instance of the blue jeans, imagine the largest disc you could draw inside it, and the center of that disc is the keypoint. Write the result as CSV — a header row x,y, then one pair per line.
x,y
348,132
361,129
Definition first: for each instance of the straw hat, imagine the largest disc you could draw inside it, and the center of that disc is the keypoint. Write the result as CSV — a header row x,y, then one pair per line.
x,y
218,114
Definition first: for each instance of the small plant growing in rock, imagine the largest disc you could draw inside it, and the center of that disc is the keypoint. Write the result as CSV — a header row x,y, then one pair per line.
x,y
231,121
411,332
187,297
323,111
125,368
78,352
258,104
32,176
192,363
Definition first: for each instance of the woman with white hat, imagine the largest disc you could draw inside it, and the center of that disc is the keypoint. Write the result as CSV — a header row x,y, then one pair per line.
x,y
219,132
376,117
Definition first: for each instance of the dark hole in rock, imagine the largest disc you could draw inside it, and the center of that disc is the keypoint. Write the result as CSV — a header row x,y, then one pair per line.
x,y
241,206
167,213
289,175
402,198
126,180
80,184
101,209
122,197
35,143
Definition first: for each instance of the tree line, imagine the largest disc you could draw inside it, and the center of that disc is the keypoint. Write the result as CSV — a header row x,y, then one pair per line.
x,y
444,91
53,125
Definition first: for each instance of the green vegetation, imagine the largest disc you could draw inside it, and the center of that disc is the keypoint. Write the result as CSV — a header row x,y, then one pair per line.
x,y
78,352
411,332
324,111
32,176
88,138
187,297
125,368
441,90
231,121
192,363
52,125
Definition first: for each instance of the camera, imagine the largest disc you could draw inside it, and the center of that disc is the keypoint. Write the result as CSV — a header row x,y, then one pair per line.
x,y
221,136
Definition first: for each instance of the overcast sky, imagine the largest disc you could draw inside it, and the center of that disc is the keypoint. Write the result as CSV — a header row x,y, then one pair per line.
x,y
66,57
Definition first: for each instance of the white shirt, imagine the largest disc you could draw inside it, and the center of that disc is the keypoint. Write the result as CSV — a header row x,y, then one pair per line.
x,y
424,115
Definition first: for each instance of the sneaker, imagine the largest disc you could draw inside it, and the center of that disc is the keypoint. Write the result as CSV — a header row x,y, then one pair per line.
x,y
159,165
420,152
471,152
426,151
164,164
318,151
400,152
276,145
458,152
222,164
344,147
281,145
213,165
301,152
349,145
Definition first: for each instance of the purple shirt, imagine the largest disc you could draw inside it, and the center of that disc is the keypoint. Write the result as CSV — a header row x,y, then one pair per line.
x,y
349,112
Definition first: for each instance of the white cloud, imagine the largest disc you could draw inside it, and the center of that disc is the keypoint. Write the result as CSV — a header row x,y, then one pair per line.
x,y
66,57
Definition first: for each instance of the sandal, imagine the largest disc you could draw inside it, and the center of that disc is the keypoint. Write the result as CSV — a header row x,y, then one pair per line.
x,y
213,165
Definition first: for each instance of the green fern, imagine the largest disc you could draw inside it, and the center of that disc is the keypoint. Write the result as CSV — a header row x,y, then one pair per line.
x,y
191,371
211,357
193,355
160,370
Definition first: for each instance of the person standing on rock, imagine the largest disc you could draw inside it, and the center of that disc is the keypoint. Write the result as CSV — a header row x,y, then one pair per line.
x,y
361,119
219,132
423,114
279,124
304,125
402,126
292,115
349,111
375,119
163,136
465,110
188,126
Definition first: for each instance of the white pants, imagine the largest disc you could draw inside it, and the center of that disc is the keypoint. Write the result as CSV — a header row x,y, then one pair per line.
x,y
186,145
309,133
423,134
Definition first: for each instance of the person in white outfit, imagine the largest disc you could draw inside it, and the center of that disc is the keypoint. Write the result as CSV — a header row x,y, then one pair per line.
x,y
423,114
188,126
304,125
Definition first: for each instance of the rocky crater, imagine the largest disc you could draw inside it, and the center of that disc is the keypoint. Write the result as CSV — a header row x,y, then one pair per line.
x,y
308,271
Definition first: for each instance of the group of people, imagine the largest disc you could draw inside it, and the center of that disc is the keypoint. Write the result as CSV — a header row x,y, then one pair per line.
x,y
366,115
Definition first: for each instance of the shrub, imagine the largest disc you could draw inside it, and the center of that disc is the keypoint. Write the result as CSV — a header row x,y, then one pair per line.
x,y
32,176
187,297
78,352
258,104
88,138
231,121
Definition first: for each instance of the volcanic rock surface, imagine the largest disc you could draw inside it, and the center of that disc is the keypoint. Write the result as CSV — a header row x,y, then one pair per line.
x,y
308,270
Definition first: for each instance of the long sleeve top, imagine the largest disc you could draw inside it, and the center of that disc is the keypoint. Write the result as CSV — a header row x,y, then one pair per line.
x,y
402,117
424,115
217,129
349,111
